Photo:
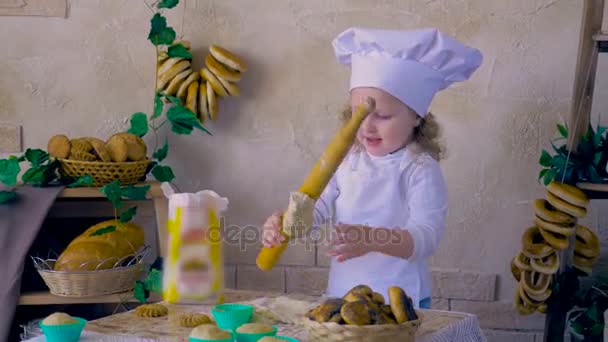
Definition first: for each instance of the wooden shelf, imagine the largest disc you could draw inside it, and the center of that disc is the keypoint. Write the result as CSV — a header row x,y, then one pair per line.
x,y
94,192
46,298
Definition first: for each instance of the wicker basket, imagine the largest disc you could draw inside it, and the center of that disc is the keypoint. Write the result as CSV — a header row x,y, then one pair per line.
x,y
104,172
120,278
334,332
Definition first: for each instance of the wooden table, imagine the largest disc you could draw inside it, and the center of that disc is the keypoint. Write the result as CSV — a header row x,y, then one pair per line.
x,y
436,326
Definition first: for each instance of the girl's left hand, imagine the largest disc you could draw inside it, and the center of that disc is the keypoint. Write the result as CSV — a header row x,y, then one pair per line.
x,y
351,241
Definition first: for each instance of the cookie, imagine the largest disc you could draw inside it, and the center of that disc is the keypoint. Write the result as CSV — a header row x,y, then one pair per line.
x,y
117,148
191,320
59,146
82,155
99,146
151,310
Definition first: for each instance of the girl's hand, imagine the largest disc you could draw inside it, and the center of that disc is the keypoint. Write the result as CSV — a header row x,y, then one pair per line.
x,y
271,233
351,241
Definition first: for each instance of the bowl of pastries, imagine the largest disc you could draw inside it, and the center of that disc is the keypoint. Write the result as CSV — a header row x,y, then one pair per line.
x,y
364,315
123,156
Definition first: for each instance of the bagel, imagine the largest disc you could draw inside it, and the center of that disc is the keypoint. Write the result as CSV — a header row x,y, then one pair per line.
x,y
166,77
565,230
401,305
587,244
59,146
542,308
582,260
524,296
547,212
192,97
536,285
566,207
211,103
556,241
585,269
227,58
522,262
523,308
547,265
533,244
176,82
182,91
168,63
515,271
203,111
568,193
217,68
214,82
231,88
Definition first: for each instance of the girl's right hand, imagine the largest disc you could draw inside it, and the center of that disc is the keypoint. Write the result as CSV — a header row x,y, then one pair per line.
x,y
271,233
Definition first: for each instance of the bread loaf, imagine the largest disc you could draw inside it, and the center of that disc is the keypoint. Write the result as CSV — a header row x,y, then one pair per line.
x,y
101,246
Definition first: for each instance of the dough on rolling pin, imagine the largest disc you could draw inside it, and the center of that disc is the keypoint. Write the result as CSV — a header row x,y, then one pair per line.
x,y
298,217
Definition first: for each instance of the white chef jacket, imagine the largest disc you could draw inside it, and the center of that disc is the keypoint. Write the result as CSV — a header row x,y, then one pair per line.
x,y
402,190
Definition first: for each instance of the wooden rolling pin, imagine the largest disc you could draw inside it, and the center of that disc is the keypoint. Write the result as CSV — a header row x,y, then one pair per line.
x,y
321,174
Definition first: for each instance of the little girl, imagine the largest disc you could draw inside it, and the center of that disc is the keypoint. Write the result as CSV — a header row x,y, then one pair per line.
x,y
387,201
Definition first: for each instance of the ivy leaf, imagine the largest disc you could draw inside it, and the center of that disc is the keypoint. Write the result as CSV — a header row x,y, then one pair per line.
x,y
7,196
542,173
139,124
154,280
86,180
178,50
35,175
36,156
135,192
174,100
9,170
183,121
167,3
128,214
162,152
545,159
562,130
548,177
160,33
163,173
157,264
139,292
104,230
113,192
158,106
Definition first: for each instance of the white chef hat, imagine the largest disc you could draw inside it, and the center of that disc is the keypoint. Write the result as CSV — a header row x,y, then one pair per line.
x,y
411,65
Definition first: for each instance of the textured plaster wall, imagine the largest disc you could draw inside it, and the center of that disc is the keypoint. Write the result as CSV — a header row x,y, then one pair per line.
x,y
85,74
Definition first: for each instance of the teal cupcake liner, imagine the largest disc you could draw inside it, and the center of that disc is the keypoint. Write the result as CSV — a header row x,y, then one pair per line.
x,y
241,337
64,332
192,339
231,316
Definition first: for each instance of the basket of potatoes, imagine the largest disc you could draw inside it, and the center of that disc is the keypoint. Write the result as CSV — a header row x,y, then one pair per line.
x,y
122,157
364,315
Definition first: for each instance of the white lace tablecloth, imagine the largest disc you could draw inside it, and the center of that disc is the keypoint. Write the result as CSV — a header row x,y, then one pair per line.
x,y
437,326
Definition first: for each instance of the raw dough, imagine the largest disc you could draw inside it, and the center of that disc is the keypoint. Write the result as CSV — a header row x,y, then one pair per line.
x,y
59,318
298,217
209,332
270,339
254,328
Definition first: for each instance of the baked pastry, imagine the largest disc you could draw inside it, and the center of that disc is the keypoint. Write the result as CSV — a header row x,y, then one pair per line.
x,y
587,244
326,310
59,318
177,81
515,271
212,105
547,212
165,77
557,241
210,332
522,307
214,82
401,305
191,320
203,111
566,207
271,339
534,245
101,151
561,229
151,310
192,97
59,146
231,88
536,285
522,262
117,148
136,147
546,265
101,246
254,328
568,193
356,313
228,58
182,91
378,298
220,70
